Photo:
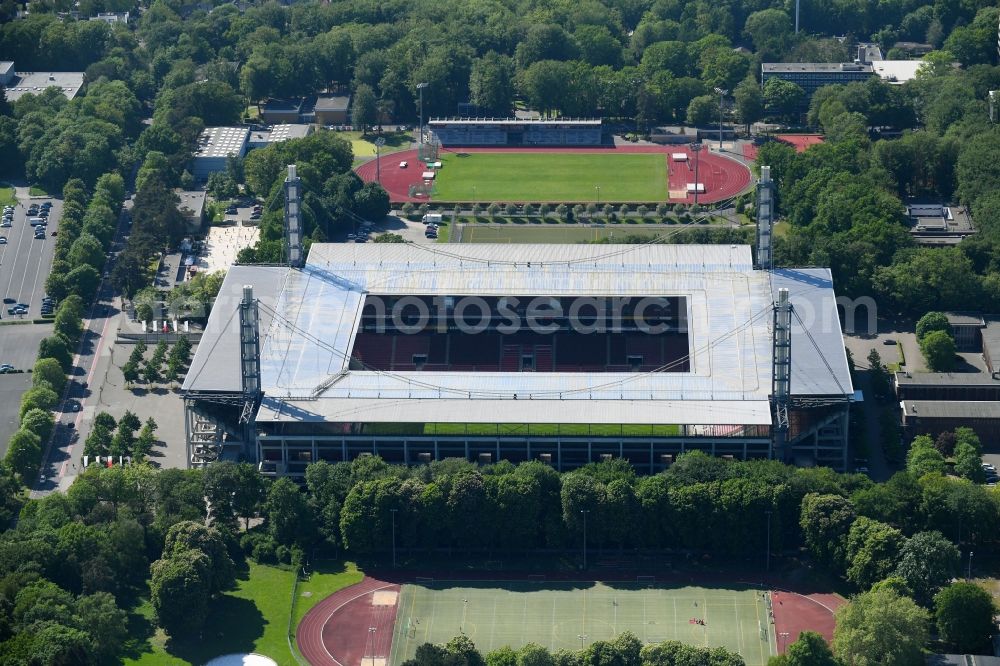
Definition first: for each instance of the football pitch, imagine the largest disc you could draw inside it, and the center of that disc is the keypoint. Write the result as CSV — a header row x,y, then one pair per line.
x,y
557,233
536,176
570,616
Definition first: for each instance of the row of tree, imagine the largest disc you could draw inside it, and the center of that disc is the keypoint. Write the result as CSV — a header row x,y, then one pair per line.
x,y
108,437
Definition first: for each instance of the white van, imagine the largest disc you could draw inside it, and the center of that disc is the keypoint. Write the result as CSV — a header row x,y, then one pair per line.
x,y
36,221
433,218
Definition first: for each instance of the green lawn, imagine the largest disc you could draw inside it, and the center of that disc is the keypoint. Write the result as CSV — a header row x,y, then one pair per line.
x,y
251,618
7,195
486,177
572,615
37,191
557,233
365,148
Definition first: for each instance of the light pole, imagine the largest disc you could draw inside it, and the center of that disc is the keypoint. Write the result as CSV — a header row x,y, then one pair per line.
x,y
968,573
722,93
371,640
767,559
584,512
379,142
598,188
784,641
696,147
393,512
420,130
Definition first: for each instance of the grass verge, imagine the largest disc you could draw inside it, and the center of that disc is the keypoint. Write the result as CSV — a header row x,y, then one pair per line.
x,y
37,191
251,618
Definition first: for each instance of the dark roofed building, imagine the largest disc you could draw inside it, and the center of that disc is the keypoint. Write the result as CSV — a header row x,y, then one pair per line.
x,y
932,417
276,111
332,109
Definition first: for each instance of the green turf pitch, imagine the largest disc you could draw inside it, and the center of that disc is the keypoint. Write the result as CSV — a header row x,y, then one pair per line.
x,y
500,177
554,233
566,616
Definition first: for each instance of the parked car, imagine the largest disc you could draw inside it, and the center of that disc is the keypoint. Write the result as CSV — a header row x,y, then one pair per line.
x,y
3,240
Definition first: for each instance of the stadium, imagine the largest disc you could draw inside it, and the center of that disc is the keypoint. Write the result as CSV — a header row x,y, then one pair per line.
x,y
562,353
485,160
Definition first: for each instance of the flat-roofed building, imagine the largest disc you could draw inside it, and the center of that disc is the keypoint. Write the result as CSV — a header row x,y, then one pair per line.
x,y
332,109
277,134
23,83
277,111
811,76
215,146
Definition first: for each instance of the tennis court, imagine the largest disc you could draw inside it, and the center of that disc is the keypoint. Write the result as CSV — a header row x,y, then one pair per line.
x,y
570,616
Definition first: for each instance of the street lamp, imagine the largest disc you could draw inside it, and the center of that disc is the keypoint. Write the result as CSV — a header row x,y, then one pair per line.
x,y
784,640
584,512
393,512
371,640
722,93
968,573
379,142
696,148
598,188
420,130
767,560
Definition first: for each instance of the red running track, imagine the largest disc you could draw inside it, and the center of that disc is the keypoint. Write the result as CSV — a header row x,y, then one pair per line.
x,y
337,631
722,176
795,613
797,141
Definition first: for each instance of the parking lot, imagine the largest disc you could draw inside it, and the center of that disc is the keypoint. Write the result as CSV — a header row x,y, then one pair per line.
x,y
25,261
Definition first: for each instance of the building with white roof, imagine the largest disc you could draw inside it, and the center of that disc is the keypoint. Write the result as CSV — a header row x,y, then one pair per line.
x,y
345,370
277,134
215,146
17,84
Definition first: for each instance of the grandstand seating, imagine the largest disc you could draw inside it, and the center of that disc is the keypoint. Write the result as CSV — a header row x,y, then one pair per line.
x,y
491,352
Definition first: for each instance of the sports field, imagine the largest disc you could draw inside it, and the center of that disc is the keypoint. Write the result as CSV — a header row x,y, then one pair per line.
x,y
556,233
541,176
573,615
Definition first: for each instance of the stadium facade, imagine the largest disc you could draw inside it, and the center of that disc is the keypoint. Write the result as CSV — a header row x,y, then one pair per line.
x,y
516,131
563,353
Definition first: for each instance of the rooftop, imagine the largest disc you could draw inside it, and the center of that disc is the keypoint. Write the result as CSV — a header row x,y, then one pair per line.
x,y
950,409
965,319
944,379
897,71
332,103
193,201
287,105
36,82
816,67
222,141
305,348
280,133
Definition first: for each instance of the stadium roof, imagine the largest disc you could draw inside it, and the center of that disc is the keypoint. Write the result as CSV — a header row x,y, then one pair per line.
x,y
305,347
596,122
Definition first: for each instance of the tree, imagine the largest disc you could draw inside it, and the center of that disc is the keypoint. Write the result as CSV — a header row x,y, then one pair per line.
x,y
964,614
768,30
105,623
151,373
968,463
179,592
826,521
702,111
83,281
389,238
24,454
938,348
57,347
39,422
49,371
371,202
194,536
880,627
927,561
782,98
38,397
923,458
932,321
98,441
872,550
810,649
145,441
364,112
287,513
491,84
749,102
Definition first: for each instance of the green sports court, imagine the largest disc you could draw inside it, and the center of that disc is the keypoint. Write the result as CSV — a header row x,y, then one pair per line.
x,y
570,616
551,176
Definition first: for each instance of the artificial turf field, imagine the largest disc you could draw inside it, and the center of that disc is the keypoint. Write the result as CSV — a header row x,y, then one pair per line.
x,y
555,233
537,176
568,616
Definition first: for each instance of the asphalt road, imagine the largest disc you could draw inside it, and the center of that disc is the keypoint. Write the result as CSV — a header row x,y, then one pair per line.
x,y
60,461
25,261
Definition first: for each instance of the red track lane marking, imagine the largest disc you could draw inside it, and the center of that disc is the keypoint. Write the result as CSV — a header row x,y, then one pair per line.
x,y
310,635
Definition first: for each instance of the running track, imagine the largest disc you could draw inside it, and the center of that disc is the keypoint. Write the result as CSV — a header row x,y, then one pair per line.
x,y
337,631
795,613
722,176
